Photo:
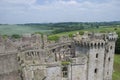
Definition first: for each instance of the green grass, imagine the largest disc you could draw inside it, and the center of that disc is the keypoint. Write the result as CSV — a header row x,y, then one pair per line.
x,y
19,29
65,62
53,38
116,74
22,29
102,29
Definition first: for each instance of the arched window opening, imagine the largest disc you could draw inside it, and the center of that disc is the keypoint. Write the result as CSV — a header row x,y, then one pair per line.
x,y
38,53
102,44
69,46
110,47
65,71
95,45
107,50
109,59
97,55
28,53
32,53
99,45
53,50
18,58
95,71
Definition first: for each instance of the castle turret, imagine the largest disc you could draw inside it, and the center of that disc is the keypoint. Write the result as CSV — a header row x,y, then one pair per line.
x,y
95,56
109,55
93,46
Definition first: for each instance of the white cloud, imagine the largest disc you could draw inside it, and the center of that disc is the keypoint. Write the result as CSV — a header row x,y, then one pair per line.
x,y
19,1
70,2
58,10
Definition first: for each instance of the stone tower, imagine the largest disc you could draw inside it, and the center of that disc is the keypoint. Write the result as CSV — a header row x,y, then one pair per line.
x,y
109,55
96,47
99,49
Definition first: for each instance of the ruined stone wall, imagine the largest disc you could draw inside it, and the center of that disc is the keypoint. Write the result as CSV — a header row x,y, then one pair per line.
x,y
34,72
31,57
60,51
54,73
88,57
9,67
78,72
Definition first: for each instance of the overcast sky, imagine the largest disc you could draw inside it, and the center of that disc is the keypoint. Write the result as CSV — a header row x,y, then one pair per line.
x,y
45,11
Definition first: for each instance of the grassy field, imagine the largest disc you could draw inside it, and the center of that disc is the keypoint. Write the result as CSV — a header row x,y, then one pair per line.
x,y
22,29
19,29
103,29
116,74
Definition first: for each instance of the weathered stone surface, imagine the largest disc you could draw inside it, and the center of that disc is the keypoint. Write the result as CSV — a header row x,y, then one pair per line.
x,y
33,57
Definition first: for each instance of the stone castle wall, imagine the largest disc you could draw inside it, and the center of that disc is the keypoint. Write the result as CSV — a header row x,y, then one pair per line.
x,y
9,69
33,57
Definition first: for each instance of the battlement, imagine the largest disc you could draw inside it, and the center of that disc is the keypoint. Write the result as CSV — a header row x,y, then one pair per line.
x,y
94,39
90,40
112,36
82,57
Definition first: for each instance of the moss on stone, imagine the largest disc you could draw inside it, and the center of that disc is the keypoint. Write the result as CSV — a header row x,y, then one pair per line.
x,y
65,62
53,38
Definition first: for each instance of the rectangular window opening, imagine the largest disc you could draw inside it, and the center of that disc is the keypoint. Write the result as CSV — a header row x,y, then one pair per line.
x,y
65,71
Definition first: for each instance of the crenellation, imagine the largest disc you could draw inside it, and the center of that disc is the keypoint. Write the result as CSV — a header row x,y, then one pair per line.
x,y
33,57
112,36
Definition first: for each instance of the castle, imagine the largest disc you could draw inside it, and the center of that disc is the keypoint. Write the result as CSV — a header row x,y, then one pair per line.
x,y
34,57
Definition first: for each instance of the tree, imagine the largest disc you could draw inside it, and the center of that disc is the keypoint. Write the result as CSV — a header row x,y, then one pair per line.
x,y
16,36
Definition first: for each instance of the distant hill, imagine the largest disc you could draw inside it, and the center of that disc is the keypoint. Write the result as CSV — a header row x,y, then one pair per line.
x,y
53,28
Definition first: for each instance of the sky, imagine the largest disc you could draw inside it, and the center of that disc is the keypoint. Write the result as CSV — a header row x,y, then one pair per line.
x,y
47,11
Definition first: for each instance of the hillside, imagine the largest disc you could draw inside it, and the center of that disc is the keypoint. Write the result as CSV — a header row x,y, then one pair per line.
x,y
22,29
53,28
